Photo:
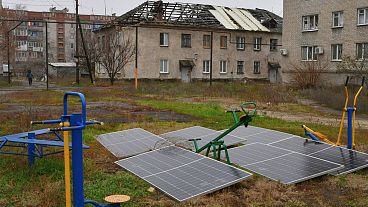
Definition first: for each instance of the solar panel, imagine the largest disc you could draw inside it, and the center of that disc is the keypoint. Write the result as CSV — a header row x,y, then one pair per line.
x,y
259,135
352,160
253,153
182,174
279,164
131,142
301,145
206,135
293,168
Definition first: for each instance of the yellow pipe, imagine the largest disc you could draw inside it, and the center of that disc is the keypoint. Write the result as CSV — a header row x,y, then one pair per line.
x,y
338,143
68,200
321,136
355,101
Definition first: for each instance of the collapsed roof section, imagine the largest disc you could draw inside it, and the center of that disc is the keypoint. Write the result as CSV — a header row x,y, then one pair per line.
x,y
200,15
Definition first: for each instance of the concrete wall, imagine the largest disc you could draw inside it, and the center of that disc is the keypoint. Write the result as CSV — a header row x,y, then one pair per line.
x,y
150,53
348,36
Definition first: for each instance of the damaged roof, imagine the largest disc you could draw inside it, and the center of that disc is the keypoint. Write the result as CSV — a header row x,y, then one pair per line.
x,y
201,15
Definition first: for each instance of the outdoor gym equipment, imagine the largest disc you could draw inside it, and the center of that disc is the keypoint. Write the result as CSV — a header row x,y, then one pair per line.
x,y
218,144
27,144
75,123
351,114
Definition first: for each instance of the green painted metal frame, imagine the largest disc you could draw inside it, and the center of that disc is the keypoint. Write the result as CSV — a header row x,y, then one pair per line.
x,y
218,144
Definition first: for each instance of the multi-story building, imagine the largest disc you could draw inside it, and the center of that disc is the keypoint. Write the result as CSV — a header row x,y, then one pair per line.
x,y
324,31
30,37
174,42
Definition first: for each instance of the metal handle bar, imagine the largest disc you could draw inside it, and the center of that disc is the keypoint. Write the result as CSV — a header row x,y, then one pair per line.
x,y
249,111
83,102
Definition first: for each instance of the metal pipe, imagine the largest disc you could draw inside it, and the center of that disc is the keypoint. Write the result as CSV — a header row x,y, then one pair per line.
x,y
47,58
76,43
211,58
136,58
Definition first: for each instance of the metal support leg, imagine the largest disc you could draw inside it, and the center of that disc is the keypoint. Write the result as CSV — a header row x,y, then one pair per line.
x,y
31,150
227,154
350,111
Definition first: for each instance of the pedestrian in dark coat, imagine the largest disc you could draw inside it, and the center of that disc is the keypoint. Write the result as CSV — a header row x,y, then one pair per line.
x,y
30,77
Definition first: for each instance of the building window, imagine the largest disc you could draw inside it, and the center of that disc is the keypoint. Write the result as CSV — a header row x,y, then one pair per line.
x,y
336,52
363,16
362,51
257,43
223,66
240,67
240,43
164,66
308,53
310,23
164,39
337,19
206,66
223,42
206,41
186,40
257,67
71,45
273,44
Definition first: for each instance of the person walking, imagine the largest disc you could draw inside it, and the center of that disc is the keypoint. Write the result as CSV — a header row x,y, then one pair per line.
x,y
30,77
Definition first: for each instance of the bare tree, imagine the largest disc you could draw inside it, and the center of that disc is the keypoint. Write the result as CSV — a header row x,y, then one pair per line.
x,y
354,65
307,74
115,52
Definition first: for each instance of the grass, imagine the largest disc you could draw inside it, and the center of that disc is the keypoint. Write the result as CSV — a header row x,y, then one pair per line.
x,y
43,184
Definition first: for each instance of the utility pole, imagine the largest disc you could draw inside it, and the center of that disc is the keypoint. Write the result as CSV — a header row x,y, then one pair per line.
x,y
211,58
76,43
47,58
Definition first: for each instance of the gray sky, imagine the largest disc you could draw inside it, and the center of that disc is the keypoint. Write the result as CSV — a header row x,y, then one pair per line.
x,y
121,6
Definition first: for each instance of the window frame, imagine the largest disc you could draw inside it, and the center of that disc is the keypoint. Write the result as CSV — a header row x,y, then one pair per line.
x,y
184,39
206,42
223,42
340,19
164,43
365,16
257,46
364,51
257,70
206,66
237,67
308,19
223,65
274,45
336,52
309,53
162,68
240,43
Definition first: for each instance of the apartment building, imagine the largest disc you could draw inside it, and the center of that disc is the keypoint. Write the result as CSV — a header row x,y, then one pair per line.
x,y
174,42
30,37
324,31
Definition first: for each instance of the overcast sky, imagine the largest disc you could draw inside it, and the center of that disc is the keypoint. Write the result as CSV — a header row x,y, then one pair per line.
x,y
121,6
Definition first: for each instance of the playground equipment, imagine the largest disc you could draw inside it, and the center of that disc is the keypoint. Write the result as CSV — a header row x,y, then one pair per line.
x,y
217,145
27,144
75,123
351,114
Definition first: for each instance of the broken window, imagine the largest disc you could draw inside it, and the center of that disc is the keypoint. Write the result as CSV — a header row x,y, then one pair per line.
x,y
186,40
310,23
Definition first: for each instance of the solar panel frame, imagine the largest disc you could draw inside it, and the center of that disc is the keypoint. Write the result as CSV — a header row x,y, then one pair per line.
x,y
253,134
131,142
343,171
198,161
291,156
277,153
301,145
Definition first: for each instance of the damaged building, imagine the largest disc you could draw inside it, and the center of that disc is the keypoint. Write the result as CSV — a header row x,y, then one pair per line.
x,y
182,41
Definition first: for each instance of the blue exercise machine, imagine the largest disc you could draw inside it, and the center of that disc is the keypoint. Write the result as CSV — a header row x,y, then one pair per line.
x,y
73,123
